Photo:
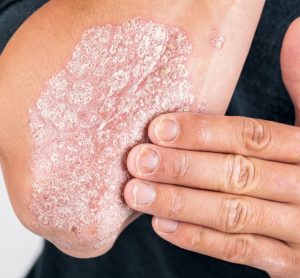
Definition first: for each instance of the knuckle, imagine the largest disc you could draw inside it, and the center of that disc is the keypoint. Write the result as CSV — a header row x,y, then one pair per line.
x,y
198,239
202,129
286,263
290,262
256,135
176,204
236,214
240,249
240,174
181,166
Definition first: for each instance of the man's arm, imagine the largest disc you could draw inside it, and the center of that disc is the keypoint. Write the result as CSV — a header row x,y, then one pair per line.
x,y
220,35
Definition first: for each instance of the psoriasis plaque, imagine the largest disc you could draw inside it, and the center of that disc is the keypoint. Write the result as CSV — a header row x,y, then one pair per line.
x,y
91,113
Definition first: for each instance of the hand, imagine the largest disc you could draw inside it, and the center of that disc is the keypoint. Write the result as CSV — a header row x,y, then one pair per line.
x,y
227,187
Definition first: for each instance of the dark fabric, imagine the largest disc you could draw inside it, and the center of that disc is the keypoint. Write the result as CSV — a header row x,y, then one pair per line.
x,y
139,252
12,15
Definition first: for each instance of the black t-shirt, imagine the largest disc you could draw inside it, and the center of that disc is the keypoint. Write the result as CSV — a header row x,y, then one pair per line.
x,y
139,252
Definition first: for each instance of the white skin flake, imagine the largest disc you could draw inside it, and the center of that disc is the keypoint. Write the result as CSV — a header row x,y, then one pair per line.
x,y
91,113
217,40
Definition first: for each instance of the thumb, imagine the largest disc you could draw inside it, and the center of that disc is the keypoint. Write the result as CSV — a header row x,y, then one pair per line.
x,y
290,65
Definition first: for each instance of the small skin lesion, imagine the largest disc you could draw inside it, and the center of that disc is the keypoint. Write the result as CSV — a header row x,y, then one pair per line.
x,y
217,40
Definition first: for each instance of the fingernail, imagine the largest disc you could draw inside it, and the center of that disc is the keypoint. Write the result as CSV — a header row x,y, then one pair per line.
x,y
166,130
143,194
165,225
146,161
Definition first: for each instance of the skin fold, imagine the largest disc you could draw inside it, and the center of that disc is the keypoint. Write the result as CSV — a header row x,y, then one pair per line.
x,y
219,31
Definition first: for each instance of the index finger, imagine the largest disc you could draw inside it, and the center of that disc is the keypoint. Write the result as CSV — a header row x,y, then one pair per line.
x,y
226,134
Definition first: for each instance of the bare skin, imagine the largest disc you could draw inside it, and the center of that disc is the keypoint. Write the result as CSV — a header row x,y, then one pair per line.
x,y
45,41
249,212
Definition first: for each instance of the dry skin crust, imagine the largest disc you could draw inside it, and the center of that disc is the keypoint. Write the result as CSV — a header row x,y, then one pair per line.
x,y
88,116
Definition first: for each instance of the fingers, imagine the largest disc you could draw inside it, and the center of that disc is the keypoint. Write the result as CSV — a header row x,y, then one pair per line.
x,y
236,135
219,211
256,251
232,174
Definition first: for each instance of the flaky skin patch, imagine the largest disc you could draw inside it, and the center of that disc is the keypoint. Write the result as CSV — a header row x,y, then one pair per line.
x,y
91,113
